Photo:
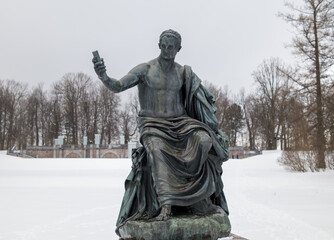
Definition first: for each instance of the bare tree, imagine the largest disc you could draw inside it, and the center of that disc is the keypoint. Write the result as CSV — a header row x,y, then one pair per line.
x,y
314,43
12,96
36,114
251,108
73,88
88,113
329,117
223,101
108,114
126,123
2,114
233,122
270,82
134,109
54,116
296,128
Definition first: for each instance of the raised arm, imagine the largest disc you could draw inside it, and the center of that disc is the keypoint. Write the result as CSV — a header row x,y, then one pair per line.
x,y
131,79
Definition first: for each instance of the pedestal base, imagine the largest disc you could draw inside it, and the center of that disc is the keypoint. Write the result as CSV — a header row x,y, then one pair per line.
x,y
184,227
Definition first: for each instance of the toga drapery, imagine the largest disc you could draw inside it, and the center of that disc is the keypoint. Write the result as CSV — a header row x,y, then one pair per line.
x,y
180,162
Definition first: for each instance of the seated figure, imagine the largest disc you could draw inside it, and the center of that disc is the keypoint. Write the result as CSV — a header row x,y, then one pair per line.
x,y
178,168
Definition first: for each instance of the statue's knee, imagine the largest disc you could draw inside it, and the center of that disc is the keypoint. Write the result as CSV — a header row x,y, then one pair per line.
x,y
203,137
153,145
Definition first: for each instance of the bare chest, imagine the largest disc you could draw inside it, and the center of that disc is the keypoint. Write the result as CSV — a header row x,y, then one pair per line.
x,y
159,80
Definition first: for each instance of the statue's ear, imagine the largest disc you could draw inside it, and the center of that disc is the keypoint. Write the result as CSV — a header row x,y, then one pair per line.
x,y
159,45
179,49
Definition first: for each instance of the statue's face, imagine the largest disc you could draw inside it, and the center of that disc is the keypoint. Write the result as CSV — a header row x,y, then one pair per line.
x,y
168,47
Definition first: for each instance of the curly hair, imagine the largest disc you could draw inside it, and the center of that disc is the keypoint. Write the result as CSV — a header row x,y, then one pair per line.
x,y
171,33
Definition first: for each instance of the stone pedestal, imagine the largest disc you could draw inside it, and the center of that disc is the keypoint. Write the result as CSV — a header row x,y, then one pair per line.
x,y
185,227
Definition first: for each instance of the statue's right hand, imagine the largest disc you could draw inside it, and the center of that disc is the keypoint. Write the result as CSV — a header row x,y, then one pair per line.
x,y
99,67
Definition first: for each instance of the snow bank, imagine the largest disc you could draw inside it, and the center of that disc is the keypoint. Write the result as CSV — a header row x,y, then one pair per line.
x,y
268,202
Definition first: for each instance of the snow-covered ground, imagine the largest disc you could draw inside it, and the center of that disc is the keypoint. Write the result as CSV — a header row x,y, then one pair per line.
x,y
268,202
61,199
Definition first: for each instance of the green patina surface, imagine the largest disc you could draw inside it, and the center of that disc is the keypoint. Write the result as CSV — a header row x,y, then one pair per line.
x,y
188,227
178,168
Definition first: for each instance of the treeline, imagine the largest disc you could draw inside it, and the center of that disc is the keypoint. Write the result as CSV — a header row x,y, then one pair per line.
x,y
276,115
74,107
279,114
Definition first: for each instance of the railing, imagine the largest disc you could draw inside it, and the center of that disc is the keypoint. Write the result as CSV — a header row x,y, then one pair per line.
x,y
39,148
20,153
79,147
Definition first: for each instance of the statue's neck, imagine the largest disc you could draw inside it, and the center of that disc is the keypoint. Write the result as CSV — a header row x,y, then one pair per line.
x,y
166,65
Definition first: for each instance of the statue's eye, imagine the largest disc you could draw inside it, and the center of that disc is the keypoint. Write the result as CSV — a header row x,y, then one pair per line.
x,y
163,46
170,47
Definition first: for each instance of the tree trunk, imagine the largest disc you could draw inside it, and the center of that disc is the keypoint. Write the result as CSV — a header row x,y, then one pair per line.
x,y
320,141
36,124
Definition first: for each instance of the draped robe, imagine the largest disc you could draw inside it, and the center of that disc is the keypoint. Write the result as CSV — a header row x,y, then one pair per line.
x,y
180,162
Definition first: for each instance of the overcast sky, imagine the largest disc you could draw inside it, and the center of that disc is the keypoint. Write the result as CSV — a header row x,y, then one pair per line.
x,y
224,41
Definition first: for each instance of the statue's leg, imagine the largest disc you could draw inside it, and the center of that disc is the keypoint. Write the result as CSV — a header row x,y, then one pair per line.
x,y
204,206
165,213
179,170
160,176
203,142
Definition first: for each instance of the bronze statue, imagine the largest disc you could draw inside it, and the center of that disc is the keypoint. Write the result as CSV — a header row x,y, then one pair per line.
x,y
178,168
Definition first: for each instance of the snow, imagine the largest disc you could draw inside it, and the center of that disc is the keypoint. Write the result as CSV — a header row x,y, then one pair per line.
x,y
80,198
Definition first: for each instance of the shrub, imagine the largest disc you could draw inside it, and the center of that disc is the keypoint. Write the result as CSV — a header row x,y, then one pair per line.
x,y
299,161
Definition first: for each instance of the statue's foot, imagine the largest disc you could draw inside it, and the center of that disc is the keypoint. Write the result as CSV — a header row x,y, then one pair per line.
x,y
165,213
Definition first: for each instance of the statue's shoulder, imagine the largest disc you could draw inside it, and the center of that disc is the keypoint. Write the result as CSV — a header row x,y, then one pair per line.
x,y
142,66
153,62
140,69
179,68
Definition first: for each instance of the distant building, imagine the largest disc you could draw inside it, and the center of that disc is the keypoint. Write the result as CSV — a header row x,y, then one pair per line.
x,y
75,151
101,151
240,152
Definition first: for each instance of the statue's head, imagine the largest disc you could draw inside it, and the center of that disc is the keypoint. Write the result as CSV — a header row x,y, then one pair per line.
x,y
171,34
169,44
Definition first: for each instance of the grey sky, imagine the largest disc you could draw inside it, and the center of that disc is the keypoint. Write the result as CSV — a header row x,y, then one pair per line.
x,y
223,41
